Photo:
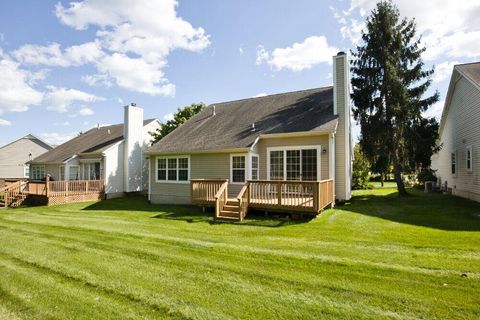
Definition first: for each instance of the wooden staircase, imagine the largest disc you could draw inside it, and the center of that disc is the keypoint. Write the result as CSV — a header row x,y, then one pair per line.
x,y
230,211
13,195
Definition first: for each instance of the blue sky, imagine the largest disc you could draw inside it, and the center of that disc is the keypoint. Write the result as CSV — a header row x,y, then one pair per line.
x,y
65,66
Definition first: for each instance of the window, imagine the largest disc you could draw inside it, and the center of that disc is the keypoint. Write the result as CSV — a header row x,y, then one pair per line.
x,y
173,169
238,169
26,171
92,171
38,172
74,173
62,173
295,163
468,158
254,167
276,165
454,162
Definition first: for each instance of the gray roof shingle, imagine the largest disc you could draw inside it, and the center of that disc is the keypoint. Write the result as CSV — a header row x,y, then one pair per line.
x,y
231,127
95,140
472,70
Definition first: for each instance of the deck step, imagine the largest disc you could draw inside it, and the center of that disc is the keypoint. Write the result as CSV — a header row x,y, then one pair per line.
x,y
222,217
229,207
229,213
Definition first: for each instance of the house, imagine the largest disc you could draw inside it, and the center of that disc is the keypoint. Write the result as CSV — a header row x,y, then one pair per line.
x,y
458,162
111,153
275,152
15,155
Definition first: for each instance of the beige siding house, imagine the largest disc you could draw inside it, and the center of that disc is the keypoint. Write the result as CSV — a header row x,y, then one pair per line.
x,y
458,162
113,154
276,147
15,155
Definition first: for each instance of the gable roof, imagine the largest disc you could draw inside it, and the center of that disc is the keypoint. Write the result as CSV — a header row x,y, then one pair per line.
x,y
95,140
231,126
471,72
32,138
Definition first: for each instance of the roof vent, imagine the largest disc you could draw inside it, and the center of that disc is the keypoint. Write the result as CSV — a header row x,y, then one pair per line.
x,y
214,112
98,126
253,126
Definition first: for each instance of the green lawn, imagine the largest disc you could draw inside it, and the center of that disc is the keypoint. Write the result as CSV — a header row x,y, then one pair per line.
x,y
376,257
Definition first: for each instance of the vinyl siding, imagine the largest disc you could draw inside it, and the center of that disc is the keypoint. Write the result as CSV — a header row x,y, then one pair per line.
x,y
14,156
461,129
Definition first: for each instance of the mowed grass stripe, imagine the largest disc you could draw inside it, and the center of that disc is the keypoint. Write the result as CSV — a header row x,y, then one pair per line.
x,y
190,267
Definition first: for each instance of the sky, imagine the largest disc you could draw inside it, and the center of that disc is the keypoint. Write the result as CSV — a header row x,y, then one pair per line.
x,y
67,66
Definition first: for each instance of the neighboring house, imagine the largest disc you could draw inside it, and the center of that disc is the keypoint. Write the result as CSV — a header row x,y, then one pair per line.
x,y
458,162
294,136
112,153
15,155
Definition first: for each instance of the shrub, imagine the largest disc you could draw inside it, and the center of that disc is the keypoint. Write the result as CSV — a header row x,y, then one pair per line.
x,y
426,175
361,169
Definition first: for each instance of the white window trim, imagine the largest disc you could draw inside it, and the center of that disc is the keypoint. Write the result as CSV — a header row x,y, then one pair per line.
x,y
172,157
247,165
250,173
456,163
284,149
467,149
25,169
39,166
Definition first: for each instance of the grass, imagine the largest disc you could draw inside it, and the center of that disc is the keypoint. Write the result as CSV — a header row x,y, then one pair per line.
x,y
378,256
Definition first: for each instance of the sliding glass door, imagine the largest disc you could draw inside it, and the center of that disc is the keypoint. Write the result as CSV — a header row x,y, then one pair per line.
x,y
294,164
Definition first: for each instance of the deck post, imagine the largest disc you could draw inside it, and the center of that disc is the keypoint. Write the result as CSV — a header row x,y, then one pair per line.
x,y
86,186
66,188
279,193
47,180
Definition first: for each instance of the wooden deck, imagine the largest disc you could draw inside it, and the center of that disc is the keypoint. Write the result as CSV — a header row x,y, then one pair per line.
x,y
286,196
48,192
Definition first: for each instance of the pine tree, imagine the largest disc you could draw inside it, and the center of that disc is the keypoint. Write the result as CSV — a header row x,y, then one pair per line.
x,y
389,82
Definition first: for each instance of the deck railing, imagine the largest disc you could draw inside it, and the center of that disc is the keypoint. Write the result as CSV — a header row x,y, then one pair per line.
x,y
204,190
74,187
243,201
310,196
12,195
221,198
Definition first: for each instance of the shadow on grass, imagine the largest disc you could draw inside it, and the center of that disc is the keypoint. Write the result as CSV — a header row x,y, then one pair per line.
x,y
188,213
431,210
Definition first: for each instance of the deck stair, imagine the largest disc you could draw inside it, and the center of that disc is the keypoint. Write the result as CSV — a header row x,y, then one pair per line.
x,y
230,211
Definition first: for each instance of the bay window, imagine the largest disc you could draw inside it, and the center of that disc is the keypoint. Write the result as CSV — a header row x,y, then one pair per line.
x,y
238,169
37,172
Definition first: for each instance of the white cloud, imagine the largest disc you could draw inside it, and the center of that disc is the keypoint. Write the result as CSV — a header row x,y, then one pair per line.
x,y
262,94
304,55
168,116
54,138
136,74
138,35
85,111
16,93
443,70
435,110
449,28
60,99
52,55
62,124
240,50
4,122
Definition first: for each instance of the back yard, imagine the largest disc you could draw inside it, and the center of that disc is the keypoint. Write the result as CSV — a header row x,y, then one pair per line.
x,y
376,257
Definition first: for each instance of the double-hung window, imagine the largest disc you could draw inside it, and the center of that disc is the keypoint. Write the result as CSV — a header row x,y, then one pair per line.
x,y
238,169
173,169
294,163
255,165
453,158
37,172
468,159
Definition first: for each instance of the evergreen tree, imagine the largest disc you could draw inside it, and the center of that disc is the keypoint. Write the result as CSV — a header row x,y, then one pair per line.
x,y
389,82
179,118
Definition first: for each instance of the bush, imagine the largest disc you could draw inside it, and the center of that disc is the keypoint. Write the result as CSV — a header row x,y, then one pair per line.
x,y
361,169
426,175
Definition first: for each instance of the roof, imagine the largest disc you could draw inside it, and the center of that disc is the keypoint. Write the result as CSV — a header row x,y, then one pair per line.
x,y
471,70
95,140
33,138
231,126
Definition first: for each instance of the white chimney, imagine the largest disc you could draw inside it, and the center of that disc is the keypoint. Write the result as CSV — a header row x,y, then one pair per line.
x,y
133,141
343,139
